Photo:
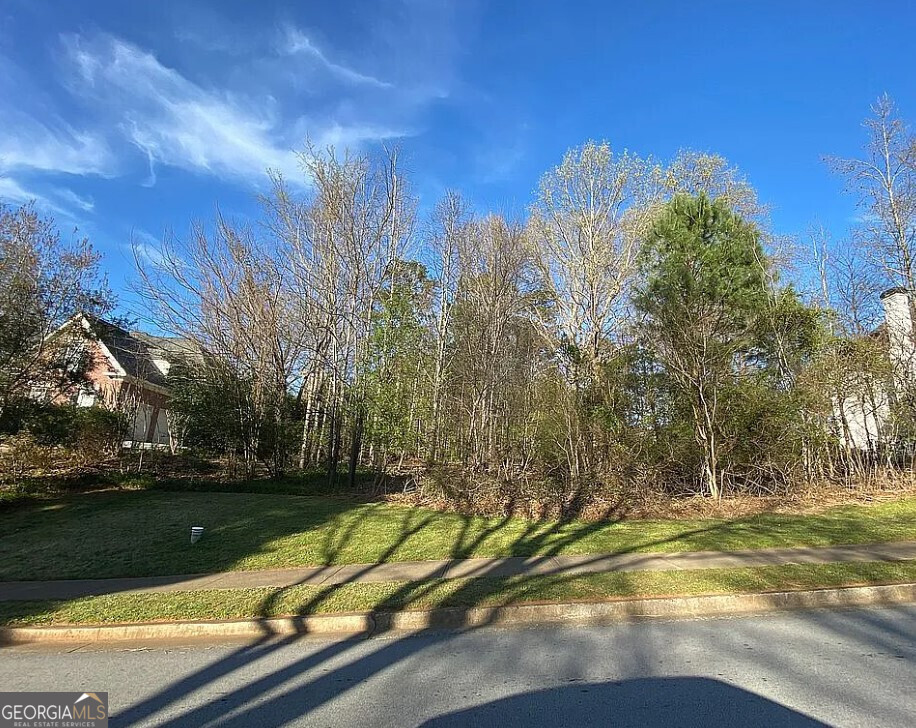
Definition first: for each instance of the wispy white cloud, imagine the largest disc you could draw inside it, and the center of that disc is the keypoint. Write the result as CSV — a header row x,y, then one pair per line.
x,y
35,138
28,144
60,201
69,197
145,246
175,121
294,42
342,136
229,120
13,191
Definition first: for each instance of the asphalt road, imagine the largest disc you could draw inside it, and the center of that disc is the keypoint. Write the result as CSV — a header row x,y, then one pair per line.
x,y
850,667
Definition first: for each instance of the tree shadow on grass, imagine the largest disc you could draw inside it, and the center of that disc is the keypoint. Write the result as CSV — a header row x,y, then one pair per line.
x,y
546,540
268,643
263,647
471,592
461,549
268,605
119,534
646,701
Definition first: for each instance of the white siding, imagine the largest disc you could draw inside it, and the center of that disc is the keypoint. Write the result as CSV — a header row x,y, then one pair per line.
x,y
865,419
141,427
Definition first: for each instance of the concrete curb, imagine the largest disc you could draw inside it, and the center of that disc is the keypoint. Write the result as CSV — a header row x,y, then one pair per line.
x,y
368,624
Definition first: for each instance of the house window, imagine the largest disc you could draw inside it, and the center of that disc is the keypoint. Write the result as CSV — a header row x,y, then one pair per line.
x,y
163,366
74,356
40,393
86,397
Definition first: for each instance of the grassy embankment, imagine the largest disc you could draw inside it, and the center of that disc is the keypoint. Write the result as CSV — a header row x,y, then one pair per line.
x,y
460,593
145,533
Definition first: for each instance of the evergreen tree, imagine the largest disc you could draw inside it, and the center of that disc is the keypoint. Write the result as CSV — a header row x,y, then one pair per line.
x,y
705,285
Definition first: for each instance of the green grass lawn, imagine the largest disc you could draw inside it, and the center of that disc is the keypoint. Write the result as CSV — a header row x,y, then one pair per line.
x,y
139,533
461,593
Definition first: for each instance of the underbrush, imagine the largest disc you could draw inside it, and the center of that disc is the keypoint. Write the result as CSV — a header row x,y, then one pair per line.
x,y
160,471
531,497
450,489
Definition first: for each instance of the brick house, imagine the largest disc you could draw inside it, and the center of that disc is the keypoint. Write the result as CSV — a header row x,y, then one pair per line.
x,y
125,370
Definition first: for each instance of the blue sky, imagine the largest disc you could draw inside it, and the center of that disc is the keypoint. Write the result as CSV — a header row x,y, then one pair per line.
x,y
130,118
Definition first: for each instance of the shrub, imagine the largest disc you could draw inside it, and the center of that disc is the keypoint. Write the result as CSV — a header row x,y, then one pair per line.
x,y
95,430
44,436
22,454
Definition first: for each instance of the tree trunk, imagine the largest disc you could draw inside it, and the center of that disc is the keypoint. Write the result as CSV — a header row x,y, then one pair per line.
x,y
356,438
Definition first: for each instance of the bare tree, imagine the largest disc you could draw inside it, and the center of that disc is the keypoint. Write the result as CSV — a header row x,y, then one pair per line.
x,y
450,227
224,290
885,180
43,282
493,336
586,229
339,243
694,173
585,239
588,223
854,287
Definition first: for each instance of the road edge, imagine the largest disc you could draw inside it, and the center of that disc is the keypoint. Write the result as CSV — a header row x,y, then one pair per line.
x,y
368,624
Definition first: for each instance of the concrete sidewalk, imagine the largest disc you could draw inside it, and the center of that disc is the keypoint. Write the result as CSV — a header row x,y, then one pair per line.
x,y
459,569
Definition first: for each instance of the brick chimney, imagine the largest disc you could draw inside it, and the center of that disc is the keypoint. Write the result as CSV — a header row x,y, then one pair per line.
x,y
898,318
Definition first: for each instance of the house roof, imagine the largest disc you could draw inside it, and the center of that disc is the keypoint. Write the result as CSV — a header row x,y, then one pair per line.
x,y
169,347
135,351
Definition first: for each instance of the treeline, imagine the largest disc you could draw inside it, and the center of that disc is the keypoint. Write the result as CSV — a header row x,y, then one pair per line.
x,y
636,328
610,336
639,327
